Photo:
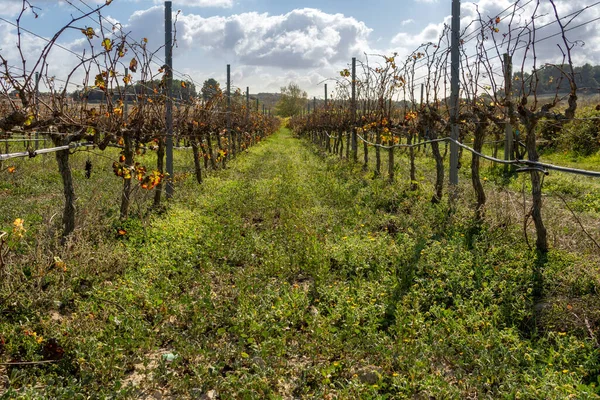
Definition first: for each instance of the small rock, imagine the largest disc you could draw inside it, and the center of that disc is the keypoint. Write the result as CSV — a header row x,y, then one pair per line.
x,y
259,362
169,357
369,375
210,395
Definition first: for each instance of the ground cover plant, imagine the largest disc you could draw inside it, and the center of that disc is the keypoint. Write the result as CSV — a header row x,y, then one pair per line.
x,y
294,275
284,267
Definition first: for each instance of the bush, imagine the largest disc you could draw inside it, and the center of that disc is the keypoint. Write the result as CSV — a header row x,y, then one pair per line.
x,y
583,135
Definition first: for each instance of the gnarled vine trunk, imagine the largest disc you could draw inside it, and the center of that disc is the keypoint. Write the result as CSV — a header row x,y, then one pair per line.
x,y
68,220
541,242
160,166
126,194
475,178
197,166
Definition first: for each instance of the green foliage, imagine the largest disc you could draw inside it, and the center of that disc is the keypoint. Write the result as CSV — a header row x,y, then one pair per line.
x,y
551,79
182,90
582,136
292,101
210,88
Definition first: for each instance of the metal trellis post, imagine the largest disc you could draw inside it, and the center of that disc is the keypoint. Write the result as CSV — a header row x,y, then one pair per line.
x,y
168,90
454,82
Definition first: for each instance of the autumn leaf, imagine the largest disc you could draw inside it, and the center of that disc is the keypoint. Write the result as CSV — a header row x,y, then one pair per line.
x,y
11,170
29,120
152,180
89,32
183,84
133,65
99,82
127,79
497,20
60,264
107,44
140,172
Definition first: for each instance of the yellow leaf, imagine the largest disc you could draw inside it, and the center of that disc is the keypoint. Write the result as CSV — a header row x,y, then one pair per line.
x,y
133,65
60,264
89,32
29,120
107,44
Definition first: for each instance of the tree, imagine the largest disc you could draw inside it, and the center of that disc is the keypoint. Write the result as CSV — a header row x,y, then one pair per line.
x,y
291,102
210,88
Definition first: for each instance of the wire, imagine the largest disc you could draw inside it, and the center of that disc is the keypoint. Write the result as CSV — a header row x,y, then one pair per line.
x,y
175,72
537,28
41,37
534,164
34,153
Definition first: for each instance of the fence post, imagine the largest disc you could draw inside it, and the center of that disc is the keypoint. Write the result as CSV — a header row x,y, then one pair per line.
x,y
325,95
168,90
247,103
37,83
353,110
508,134
454,85
230,144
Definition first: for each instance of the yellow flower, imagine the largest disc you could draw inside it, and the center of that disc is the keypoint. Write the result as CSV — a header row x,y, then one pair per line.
x,y
18,228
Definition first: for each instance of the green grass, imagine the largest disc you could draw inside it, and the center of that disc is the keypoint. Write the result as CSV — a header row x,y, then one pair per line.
x,y
294,275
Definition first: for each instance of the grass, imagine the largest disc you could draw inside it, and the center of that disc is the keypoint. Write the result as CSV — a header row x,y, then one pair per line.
x,y
292,275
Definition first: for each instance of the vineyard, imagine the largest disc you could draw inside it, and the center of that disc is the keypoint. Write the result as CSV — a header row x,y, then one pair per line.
x,y
159,244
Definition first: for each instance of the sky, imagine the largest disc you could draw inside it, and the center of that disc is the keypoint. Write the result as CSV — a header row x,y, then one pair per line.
x,y
270,43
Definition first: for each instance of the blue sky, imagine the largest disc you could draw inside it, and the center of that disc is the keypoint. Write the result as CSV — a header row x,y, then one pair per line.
x,y
270,43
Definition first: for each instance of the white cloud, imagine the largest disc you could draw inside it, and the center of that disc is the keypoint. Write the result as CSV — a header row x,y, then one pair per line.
x,y
14,7
586,37
201,3
303,38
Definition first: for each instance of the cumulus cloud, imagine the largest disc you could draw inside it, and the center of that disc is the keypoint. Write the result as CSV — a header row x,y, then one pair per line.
x,y
583,34
201,3
302,38
13,7
59,61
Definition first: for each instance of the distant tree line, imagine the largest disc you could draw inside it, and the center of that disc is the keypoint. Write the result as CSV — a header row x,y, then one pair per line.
x,y
587,78
181,90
